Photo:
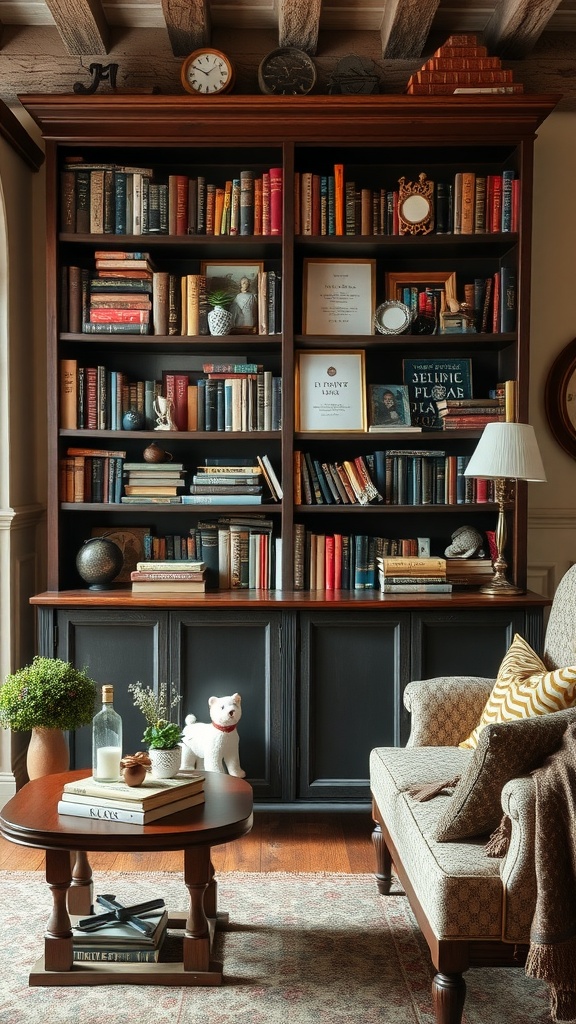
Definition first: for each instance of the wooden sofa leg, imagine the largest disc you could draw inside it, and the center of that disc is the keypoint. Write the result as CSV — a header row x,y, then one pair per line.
x,y
383,862
448,995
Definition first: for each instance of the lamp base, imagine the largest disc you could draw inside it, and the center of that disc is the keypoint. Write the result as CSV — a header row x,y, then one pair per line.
x,y
499,587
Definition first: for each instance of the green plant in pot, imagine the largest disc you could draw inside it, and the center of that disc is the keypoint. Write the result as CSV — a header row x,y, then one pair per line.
x,y
220,318
161,735
49,697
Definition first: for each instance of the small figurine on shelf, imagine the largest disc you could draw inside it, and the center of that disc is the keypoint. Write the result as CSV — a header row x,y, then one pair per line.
x,y
467,542
164,409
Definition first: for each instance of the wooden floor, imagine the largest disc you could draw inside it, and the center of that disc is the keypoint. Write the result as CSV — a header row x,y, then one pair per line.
x,y
280,841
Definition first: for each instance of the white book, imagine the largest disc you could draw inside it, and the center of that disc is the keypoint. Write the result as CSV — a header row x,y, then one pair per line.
x,y
125,816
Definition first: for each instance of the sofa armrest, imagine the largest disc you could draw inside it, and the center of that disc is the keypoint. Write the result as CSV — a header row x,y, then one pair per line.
x,y
445,709
518,870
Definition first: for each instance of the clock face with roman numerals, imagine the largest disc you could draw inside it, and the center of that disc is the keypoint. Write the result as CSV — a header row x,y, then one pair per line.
x,y
207,72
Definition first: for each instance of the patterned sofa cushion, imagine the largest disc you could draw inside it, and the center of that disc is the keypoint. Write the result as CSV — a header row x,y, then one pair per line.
x,y
524,688
505,751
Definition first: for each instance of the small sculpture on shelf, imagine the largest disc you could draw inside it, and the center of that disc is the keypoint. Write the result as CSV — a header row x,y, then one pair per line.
x,y
213,745
164,409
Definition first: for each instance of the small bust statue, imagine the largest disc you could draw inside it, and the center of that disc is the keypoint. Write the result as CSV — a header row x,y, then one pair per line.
x,y
466,543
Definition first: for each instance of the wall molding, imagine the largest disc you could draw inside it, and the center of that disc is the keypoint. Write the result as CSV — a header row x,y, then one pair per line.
x,y
552,518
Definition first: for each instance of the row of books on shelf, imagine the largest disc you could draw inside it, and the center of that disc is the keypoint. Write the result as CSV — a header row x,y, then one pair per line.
x,y
489,304
340,561
466,203
235,552
126,294
230,397
390,476
107,198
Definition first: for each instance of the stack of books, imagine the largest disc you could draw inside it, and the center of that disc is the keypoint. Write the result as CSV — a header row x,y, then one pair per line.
x,y
153,482
461,66
117,942
120,307
233,482
469,572
470,413
413,575
168,577
131,805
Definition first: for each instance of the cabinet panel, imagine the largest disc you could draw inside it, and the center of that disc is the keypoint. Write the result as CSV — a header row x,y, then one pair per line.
x,y
469,643
118,647
219,654
353,672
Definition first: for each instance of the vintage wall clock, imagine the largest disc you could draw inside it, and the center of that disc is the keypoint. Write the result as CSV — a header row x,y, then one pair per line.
x,y
560,398
207,72
287,71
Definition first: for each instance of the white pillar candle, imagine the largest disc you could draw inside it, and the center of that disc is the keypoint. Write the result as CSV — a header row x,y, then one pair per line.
x,y
108,764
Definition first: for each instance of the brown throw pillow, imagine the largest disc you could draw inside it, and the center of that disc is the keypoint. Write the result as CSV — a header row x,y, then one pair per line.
x,y
505,750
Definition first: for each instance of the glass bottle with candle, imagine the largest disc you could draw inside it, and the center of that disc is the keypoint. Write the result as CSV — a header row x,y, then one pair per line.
x,y
107,739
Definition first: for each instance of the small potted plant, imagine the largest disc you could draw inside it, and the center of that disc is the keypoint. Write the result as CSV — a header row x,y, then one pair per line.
x,y
49,697
220,318
161,736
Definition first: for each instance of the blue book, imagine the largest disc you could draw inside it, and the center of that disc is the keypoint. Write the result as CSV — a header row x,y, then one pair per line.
x,y
429,380
507,299
506,216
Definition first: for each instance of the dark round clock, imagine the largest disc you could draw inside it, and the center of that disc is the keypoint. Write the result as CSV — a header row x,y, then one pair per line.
x,y
287,72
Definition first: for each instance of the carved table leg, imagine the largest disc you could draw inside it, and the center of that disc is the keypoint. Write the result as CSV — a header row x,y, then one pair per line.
x,y
81,893
383,862
58,952
448,995
197,876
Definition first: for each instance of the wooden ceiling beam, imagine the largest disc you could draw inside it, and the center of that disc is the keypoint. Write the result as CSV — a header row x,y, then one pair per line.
x,y
516,25
187,23
299,23
405,27
82,26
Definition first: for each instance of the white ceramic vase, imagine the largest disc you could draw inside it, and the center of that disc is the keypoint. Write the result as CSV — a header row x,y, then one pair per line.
x,y
165,763
220,320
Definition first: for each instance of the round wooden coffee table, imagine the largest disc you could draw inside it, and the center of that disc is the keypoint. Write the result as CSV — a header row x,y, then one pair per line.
x,y
30,818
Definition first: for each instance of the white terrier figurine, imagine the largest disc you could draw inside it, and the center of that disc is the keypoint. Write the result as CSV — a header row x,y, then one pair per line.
x,y
213,745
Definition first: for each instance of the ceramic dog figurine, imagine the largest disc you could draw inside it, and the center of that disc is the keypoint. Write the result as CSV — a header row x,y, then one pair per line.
x,y
214,745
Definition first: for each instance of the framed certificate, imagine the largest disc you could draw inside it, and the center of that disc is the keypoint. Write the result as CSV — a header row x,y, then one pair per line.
x,y
330,391
339,296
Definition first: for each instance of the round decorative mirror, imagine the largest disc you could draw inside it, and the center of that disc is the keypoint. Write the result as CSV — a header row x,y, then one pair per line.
x,y
560,399
415,209
392,317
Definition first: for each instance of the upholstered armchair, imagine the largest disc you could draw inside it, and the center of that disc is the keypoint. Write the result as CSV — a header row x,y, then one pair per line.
x,y
473,909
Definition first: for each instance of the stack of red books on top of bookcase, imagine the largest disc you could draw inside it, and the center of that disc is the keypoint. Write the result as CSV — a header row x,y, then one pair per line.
x,y
461,66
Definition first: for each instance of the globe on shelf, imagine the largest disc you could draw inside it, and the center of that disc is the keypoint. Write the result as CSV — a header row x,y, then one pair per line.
x,y
98,562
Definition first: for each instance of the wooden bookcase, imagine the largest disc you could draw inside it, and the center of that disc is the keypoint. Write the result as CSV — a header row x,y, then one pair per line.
x,y
377,139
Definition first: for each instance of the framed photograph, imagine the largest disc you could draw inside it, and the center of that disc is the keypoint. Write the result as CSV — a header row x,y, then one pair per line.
x,y
241,280
339,296
130,540
388,406
330,391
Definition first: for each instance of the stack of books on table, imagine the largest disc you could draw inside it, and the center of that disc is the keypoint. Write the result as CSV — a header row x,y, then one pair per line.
x,y
131,805
470,413
156,482
177,576
403,575
469,572
117,942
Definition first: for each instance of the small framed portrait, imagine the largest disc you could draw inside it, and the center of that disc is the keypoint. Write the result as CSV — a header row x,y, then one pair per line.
x,y
388,407
330,391
240,281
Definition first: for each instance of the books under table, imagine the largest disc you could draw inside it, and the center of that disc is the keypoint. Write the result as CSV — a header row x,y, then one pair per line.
x,y
151,793
117,942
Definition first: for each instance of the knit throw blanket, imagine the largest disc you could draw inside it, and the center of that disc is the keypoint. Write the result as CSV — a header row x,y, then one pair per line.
x,y
552,954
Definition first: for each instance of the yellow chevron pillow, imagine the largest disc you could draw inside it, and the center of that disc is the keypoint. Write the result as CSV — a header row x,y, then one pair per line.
x,y
524,688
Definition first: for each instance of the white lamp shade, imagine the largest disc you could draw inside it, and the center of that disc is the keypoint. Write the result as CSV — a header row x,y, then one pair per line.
x,y
507,450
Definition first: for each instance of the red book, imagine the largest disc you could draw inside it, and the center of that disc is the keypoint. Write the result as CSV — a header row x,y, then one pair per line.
x,y
266,203
176,388
496,303
329,568
339,198
494,211
515,203
258,196
481,490
119,316
276,194
315,204
337,561
91,377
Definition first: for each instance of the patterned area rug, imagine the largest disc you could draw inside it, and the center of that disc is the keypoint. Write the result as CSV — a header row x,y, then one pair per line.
x,y
308,948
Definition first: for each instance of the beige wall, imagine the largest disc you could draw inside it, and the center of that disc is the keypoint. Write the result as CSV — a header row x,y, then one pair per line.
x,y
552,520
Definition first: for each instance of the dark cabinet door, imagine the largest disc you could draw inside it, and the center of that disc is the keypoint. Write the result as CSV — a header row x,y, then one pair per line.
x,y
217,653
353,670
118,646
